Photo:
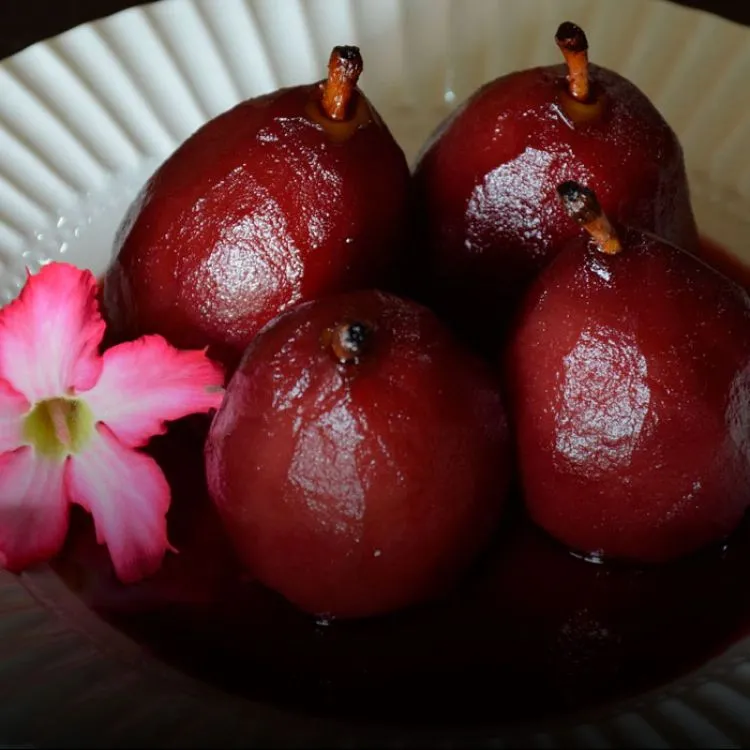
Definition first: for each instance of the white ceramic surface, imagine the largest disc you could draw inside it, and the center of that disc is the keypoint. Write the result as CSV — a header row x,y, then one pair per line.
x,y
86,117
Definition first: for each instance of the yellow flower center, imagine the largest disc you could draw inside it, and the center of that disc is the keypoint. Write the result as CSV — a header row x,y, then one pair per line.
x,y
58,427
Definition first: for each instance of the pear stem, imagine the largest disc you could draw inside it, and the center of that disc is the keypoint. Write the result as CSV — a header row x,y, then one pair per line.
x,y
582,206
574,46
349,341
344,70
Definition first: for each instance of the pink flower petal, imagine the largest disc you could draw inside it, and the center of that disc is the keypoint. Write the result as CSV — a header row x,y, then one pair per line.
x,y
147,382
13,407
128,496
33,509
50,334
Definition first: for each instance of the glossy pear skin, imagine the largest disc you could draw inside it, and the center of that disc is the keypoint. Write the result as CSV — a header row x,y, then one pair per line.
x,y
630,377
267,205
485,185
359,489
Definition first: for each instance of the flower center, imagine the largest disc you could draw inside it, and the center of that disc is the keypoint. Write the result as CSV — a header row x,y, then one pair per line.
x,y
58,427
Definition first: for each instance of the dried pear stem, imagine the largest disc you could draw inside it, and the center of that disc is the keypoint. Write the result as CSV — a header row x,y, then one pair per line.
x,y
344,70
582,206
573,44
349,340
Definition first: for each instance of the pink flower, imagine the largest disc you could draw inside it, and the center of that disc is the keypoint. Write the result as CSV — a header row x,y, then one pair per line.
x,y
71,419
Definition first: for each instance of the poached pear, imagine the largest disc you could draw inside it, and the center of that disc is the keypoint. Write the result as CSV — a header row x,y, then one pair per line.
x,y
360,460
485,182
286,197
629,369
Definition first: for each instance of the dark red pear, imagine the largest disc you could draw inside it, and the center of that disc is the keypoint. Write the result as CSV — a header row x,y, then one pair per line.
x,y
286,197
485,181
360,460
629,369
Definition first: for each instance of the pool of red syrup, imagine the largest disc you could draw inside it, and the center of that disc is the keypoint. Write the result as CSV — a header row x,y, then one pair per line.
x,y
531,630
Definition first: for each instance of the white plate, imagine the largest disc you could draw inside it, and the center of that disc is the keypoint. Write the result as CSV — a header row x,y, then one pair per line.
x,y
85,118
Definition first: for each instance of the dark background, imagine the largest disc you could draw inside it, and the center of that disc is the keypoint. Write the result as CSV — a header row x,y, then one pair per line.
x,y
23,22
